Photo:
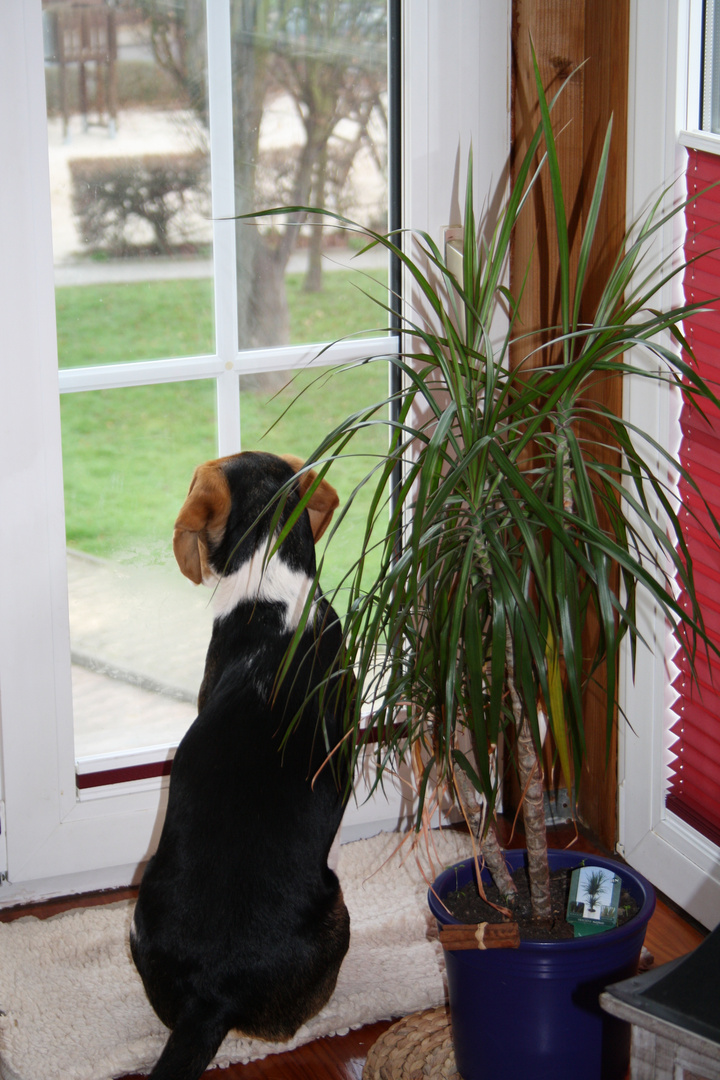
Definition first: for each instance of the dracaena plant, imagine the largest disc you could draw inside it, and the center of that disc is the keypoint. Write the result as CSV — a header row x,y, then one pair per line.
x,y
496,529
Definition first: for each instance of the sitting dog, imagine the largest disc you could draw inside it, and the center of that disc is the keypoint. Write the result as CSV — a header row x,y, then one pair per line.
x,y
240,923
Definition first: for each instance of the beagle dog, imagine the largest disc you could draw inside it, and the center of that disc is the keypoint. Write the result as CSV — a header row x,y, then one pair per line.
x,y
240,922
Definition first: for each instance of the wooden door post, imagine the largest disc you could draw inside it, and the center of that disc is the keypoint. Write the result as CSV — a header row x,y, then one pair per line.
x,y
590,38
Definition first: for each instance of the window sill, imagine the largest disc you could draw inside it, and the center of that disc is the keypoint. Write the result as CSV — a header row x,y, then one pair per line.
x,y
700,140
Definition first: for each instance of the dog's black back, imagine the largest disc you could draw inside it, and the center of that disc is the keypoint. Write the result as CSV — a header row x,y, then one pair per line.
x,y
240,923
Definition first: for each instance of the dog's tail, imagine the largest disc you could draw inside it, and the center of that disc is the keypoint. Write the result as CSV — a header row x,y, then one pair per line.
x,y
192,1045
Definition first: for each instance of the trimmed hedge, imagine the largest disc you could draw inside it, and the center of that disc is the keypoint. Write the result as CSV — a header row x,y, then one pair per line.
x,y
111,194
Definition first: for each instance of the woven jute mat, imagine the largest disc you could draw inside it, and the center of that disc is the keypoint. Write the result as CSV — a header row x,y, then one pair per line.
x,y
416,1047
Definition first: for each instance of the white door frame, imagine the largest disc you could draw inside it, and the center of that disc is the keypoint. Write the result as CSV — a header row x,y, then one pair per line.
x,y
663,87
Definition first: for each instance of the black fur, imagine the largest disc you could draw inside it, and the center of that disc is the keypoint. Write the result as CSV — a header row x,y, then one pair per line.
x,y
239,922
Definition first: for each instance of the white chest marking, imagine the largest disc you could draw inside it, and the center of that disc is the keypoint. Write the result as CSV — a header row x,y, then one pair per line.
x,y
275,582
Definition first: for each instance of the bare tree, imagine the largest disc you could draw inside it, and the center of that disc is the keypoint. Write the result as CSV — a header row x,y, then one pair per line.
x,y
332,61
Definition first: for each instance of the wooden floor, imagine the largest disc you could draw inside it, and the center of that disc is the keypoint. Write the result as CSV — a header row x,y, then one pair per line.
x,y
669,935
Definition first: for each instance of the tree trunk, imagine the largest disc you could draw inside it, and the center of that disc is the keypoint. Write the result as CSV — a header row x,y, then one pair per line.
x,y
268,312
313,282
262,305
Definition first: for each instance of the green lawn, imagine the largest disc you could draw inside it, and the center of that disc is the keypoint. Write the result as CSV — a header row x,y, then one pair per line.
x,y
129,454
106,324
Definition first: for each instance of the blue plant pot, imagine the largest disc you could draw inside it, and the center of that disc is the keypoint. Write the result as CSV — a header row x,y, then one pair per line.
x,y
532,1013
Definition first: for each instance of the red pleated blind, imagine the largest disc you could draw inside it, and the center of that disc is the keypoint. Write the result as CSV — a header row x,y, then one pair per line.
x,y
694,792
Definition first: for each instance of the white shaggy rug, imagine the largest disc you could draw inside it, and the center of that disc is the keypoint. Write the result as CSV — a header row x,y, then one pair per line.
x,y
74,1008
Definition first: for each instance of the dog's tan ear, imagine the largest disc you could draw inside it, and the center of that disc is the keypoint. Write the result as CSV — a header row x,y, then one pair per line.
x,y
324,501
204,514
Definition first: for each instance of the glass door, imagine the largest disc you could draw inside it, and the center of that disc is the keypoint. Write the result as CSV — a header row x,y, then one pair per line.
x,y
183,334
113,501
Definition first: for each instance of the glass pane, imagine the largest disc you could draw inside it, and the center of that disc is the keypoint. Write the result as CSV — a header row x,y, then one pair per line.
x,y
139,631
111,323
129,172
310,129
278,416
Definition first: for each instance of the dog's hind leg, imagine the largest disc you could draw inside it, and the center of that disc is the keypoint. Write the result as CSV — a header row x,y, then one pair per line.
x,y
192,1045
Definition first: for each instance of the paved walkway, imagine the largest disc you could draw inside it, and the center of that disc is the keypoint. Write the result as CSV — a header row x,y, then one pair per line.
x,y
156,268
139,636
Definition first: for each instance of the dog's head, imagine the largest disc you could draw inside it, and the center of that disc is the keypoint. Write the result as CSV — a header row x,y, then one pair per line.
x,y
226,517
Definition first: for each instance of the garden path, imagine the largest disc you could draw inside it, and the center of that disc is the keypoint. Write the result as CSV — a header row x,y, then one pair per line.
x,y
139,636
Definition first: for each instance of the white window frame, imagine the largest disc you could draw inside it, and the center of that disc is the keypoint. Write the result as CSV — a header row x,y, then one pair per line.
x,y
456,76
663,109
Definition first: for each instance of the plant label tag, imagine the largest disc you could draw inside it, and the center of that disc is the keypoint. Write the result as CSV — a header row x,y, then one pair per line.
x,y
593,901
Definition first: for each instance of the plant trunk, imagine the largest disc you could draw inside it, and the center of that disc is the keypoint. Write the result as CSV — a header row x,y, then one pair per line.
x,y
474,813
531,784
495,862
